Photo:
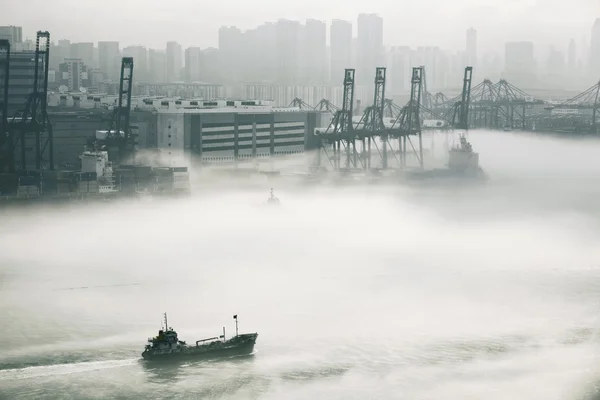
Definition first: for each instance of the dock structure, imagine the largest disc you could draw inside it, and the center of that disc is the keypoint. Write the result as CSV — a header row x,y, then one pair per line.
x,y
385,135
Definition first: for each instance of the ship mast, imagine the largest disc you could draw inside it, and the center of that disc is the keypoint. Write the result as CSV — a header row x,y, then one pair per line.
x,y
166,325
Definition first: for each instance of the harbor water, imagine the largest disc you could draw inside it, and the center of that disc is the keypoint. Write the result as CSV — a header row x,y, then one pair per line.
x,y
356,292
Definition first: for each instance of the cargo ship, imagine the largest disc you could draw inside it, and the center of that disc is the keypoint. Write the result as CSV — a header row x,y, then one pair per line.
x,y
167,346
463,165
97,179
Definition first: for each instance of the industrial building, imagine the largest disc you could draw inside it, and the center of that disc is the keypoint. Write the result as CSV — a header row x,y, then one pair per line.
x,y
217,131
223,135
74,129
20,79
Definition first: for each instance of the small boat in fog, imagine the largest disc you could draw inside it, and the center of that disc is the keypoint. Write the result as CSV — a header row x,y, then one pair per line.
x,y
273,200
166,345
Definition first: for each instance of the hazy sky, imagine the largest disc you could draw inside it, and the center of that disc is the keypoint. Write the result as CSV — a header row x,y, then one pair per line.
x,y
406,22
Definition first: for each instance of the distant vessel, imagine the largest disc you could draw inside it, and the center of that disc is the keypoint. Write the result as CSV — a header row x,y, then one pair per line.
x,y
463,163
166,345
272,200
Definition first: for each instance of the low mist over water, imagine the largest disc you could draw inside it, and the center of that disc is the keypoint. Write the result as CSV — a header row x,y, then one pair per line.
x,y
489,292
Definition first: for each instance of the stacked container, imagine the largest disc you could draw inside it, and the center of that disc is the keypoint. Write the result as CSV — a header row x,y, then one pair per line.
x,y
143,176
28,184
163,179
65,182
181,180
125,179
49,183
8,184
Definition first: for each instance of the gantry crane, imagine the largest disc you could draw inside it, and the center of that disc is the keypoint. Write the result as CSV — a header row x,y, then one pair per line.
x,y
408,122
119,138
341,125
6,146
33,119
460,119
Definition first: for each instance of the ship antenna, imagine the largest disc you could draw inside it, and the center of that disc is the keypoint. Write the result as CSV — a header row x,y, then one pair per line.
x,y
236,324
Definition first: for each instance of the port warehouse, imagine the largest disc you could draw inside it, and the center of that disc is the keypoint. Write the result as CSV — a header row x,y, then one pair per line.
x,y
203,132
224,135
211,131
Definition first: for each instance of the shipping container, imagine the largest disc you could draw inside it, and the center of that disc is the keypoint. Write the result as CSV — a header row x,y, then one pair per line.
x,y
63,187
127,172
8,183
142,172
28,181
49,186
31,174
28,191
49,175
64,175
162,171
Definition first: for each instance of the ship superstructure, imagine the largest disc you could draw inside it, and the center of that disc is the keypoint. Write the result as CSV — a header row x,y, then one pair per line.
x,y
462,157
96,173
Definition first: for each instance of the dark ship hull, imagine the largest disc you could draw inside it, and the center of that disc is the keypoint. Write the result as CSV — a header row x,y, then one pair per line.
x,y
471,175
237,346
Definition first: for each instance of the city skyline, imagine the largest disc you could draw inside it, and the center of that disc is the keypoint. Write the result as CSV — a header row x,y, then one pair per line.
x,y
548,23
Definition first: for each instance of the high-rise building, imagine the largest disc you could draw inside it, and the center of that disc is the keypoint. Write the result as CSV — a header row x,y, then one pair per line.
x,y
174,61
109,57
84,52
556,65
261,48
14,34
21,78
369,47
572,60
73,73
157,66
595,50
313,59
230,49
65,48
472,47
340,37
287,51
398,70
193,64
520,66
141,72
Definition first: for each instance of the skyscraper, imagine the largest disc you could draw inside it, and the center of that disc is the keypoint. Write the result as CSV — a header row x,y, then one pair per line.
x,y
193,64
174,61
140,62
287,49
14,34
230,49
340,49
572,60
157,66
109,60
595,51
472,47
85,52
313,59
520,66
369,47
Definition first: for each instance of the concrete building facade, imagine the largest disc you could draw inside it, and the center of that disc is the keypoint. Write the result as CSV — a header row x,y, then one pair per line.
x,y
225,135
